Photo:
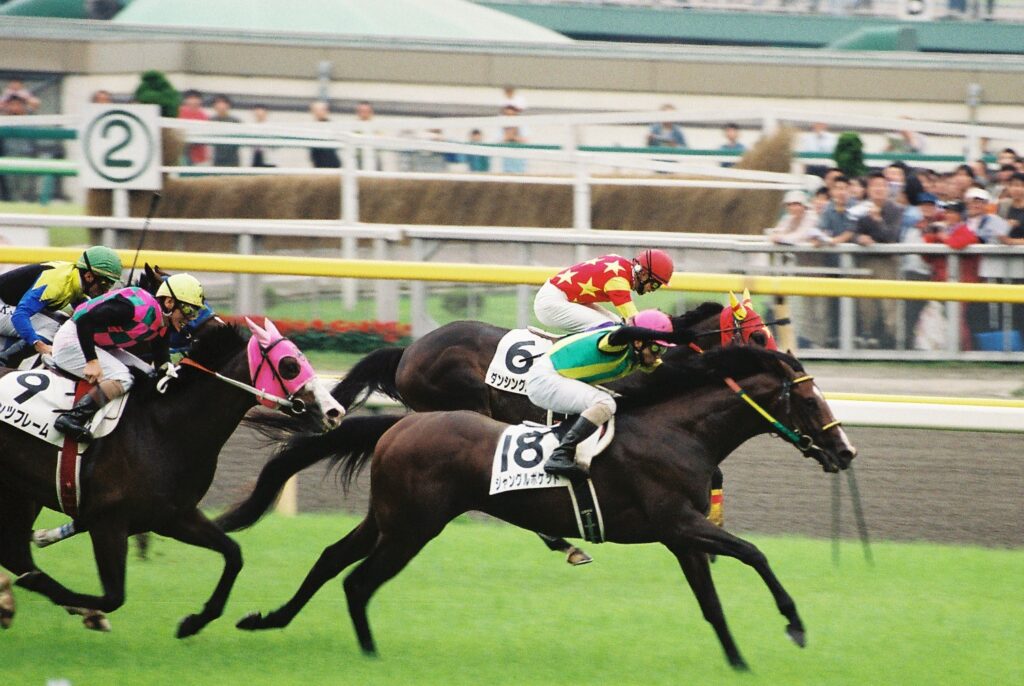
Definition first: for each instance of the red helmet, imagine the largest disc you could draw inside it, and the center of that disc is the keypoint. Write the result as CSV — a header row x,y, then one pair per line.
x,y
654,319
657,263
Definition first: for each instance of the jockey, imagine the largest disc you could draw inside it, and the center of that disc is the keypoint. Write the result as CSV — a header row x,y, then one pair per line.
x,y
33,295
92,344
563,378
569,300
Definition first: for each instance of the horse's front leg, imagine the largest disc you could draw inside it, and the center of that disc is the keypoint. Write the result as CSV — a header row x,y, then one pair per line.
x,y
698,574
110,547
195,529
696,532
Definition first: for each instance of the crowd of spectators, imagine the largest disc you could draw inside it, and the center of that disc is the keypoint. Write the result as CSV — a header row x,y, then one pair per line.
x,y
902,204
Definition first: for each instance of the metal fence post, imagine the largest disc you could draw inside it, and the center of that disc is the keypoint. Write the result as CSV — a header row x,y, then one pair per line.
x,y
245,284
953,309
524,307
349,216
847,310
421,321
385,290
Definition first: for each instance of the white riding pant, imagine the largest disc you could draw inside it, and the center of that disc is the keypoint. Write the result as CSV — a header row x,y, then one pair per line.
x,y
549,390
553,309
45,324
68,355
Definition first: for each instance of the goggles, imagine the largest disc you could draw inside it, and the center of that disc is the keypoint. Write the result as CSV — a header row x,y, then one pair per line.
x,y
656,348
190,311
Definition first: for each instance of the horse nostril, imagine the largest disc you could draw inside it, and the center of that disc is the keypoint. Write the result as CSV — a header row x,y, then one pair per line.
x,y
334,413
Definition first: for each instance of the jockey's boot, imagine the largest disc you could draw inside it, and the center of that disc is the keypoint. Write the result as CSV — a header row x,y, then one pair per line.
x,y
75,422
563,458
13,354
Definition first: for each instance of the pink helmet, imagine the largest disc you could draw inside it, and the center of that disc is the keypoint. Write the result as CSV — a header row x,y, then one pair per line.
x,y
657,320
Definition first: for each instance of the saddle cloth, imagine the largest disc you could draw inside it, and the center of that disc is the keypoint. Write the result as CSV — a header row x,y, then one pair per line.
x,y
513,359
31,400
524,448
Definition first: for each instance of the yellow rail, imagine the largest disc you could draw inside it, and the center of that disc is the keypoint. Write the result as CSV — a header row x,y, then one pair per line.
x,y
506,274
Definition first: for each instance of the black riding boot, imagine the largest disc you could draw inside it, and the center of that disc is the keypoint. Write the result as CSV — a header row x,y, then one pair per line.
x,y
563,458
75,422
13,354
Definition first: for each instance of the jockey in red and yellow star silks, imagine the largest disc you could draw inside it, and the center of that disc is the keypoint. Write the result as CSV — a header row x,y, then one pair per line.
x,y
571,299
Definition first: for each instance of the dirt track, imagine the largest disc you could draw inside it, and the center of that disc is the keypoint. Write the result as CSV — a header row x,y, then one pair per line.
x,y
944,486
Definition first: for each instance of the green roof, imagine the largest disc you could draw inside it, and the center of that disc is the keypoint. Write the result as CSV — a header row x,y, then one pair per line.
x,y
433,19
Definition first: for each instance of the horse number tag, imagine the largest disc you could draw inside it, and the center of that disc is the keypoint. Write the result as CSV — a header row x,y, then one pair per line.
x,y
513,359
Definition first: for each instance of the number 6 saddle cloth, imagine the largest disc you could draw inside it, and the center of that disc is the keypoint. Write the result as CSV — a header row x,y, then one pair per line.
x,y
524,448
31,400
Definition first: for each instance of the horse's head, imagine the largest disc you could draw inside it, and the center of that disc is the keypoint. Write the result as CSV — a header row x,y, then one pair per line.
x,y
277,366
150,278
807,420
741,324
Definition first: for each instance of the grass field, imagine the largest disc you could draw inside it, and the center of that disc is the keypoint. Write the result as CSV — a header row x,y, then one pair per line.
x,y
486,604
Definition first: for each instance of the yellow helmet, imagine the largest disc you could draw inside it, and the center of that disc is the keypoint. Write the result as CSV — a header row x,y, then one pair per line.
x,y
184,288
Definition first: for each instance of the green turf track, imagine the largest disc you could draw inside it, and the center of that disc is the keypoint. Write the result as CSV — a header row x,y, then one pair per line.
x,y
485,603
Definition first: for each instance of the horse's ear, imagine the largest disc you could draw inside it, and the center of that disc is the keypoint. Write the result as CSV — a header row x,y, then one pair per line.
x,y
738,311
746,296
259,332
271,329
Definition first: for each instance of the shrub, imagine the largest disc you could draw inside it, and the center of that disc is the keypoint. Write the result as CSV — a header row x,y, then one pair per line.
x,y
338,336
155,89
849,155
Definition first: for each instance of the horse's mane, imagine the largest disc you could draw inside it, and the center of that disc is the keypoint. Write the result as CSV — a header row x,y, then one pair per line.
x,y
687,375
213,346
696,315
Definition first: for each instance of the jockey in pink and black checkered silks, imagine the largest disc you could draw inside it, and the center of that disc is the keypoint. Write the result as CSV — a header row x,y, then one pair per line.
x,y
93,344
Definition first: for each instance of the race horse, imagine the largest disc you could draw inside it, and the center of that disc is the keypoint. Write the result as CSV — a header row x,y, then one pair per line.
x,y
446,370
651,481
150,473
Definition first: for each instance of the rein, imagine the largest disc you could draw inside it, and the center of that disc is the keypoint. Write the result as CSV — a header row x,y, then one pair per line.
x,y
801,441
293,404
775,322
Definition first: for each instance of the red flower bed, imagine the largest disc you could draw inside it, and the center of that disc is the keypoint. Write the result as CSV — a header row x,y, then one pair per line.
x,y
340,336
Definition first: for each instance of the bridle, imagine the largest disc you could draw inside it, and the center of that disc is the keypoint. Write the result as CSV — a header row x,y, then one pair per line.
x,y
803,442
291,404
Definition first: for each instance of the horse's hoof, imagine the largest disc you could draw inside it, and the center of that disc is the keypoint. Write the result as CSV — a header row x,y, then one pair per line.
x,y
96,622
190,626
251,622
739,664
577,557
797,634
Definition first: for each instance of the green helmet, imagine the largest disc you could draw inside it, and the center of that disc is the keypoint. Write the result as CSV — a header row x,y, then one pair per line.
x,y
184,288
101,261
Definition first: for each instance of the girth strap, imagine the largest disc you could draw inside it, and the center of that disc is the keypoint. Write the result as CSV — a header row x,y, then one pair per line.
x,y
587,511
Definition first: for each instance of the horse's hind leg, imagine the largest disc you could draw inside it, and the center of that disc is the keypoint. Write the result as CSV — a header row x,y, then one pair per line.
x,y
195,529
698,574
573,555
392,552
356,545
110,548
6,602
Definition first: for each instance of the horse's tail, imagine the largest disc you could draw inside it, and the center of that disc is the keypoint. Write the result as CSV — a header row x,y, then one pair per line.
x,y
373,373
350,444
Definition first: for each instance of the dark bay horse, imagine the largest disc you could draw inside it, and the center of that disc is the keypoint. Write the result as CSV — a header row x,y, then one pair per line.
x,y
446,370
151,472
652,481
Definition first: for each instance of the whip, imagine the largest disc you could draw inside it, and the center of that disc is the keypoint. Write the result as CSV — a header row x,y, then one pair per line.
x,y
153,202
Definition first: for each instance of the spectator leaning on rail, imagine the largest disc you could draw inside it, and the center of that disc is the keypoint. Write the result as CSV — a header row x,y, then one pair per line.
x,y
563,378
799,223
879,220
666,134
953,231
92,344
224,155
570,300
34,295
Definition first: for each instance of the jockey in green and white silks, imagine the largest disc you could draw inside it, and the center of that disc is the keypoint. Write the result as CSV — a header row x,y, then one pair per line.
x,y
92,345
33,296
562,379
